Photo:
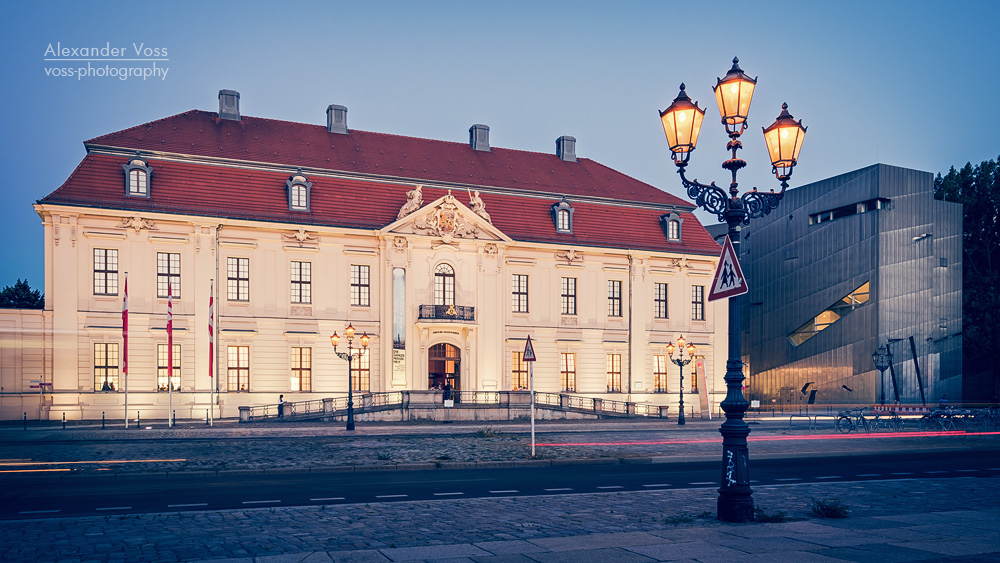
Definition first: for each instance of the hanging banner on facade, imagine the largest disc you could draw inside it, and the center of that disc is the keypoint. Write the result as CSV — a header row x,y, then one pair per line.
x,y
705,393
729,280
398,326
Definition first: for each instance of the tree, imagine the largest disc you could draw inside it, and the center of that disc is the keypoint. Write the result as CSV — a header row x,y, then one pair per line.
x,y
21,296
977,188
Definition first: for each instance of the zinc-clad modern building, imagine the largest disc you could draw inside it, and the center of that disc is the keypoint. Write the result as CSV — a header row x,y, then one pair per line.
x,y
843,266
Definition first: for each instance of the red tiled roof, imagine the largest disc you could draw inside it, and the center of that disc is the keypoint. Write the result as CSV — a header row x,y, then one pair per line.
x,y
285,143
224,191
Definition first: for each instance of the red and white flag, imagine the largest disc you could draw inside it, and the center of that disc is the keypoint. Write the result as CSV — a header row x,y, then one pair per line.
x,y
170,337
125,328
211,329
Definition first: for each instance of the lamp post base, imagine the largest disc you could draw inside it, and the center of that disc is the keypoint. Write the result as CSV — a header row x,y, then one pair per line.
x,y
735,508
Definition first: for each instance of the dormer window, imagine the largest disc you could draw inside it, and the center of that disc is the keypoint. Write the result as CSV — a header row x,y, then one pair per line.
x,y
671,224
137,175
562,216
299,188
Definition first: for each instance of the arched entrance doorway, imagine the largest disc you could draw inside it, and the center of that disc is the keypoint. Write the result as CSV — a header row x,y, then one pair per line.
x,y
444,366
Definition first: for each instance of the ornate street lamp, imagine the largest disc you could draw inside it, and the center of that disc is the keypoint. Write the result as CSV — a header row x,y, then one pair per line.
x,y
681,362
784,140
349,356
882,358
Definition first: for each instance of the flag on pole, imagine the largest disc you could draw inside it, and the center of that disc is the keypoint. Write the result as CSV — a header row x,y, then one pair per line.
x,y
170,337
211,329
125,328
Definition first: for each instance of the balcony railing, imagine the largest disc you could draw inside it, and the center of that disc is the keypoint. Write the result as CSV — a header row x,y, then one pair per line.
x,y
447,312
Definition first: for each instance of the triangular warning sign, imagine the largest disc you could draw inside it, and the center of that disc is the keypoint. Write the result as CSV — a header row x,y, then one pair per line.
x,y
529,351
729,280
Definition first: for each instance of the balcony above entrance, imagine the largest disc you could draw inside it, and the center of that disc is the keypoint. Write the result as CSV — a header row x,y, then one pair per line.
x,y
447,313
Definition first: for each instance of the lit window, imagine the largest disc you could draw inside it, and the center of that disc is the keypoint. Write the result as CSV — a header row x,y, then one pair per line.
x,y
696,362
832,314
361,371
238,272
137,175
614,298
697,302
562,216
614,373
239,368
360,286
444,285
299,189
519,293
161,368
168,274
567,372
519,371
105,271
660,300
301,379
568,296
105,366
659,373
301,282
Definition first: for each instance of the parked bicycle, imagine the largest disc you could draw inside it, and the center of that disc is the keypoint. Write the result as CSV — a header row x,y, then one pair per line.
x,y
852,420
887,421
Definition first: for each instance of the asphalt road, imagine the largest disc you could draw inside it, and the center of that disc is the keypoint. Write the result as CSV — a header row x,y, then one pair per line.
x,y
153,494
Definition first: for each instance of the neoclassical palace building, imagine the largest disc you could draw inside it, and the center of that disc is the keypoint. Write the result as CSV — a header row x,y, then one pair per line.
x,y
447,254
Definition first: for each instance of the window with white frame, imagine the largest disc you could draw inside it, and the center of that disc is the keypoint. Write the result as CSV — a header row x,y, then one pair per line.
x,y
299,189
238,364
137,176
105,366
105,271
697,302
360,285
444,285
567,372
614,373
519,371
614,298
168,274
161,368
301,379
301,282
660,300
238,272
660,373
361,371
567,296
519,293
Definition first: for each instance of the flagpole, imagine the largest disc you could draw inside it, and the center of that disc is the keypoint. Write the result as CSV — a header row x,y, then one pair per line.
x,y
125,339
211,352
170,355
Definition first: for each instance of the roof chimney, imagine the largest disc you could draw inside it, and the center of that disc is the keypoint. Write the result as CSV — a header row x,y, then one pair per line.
x,y
229,104
566,148
479,137
336,119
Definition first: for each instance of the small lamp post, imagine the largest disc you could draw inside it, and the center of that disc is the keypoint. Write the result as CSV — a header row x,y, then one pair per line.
x,y
682,124
681,362
349,356
883,359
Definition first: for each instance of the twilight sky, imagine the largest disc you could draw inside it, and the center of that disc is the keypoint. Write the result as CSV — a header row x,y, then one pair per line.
x,y
894,82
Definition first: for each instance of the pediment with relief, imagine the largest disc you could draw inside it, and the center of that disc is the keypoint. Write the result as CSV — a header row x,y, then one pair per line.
x,y
448,219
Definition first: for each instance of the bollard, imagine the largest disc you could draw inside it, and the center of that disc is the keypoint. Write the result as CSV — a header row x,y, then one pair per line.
x,y
137,419
102,420
206,417
173,418
64,421
26,420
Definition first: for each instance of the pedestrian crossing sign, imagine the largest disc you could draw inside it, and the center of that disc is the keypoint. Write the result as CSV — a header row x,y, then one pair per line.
x,y
729,280
529,351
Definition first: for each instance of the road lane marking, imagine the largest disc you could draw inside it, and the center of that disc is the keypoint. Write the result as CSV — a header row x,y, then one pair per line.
x,y
511,491
390,496
657,485
966,470
260,501
932,472
902,473
611,487
555,490
789,479
326,498
993,469
868,475
115,508
829,477
38,512
703,483
447,494
187,505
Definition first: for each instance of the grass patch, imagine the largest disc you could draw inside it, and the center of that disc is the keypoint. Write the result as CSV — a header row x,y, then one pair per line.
x,y
759,515
830,508
486,432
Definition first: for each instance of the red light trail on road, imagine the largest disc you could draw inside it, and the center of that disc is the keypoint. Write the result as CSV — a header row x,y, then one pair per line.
x,y
784,438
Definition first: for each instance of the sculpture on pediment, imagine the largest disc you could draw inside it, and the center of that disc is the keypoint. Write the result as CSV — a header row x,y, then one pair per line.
x,y
137,223
446,222
301,236
478,207
570,255
414,200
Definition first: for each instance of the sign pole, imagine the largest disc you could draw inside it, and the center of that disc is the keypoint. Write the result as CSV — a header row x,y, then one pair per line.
x,y
529,356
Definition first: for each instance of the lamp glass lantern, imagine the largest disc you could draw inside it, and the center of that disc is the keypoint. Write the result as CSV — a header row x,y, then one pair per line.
x,y
682,124
784,141
733,94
